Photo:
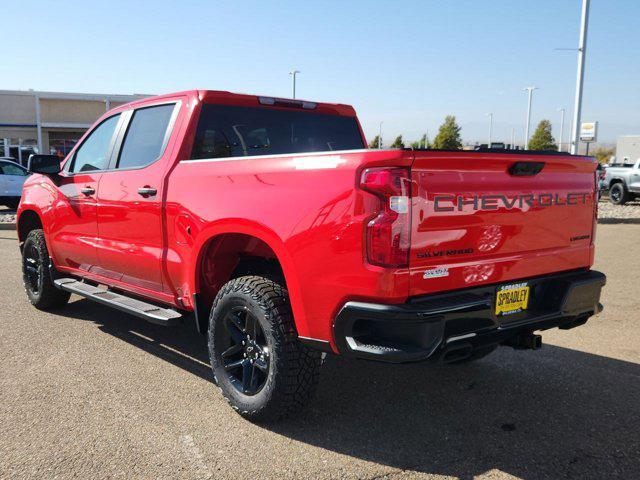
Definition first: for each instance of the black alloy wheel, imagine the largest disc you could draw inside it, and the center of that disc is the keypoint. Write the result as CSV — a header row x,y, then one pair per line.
x,y
245,353
33,268
263,371
618,194
37,274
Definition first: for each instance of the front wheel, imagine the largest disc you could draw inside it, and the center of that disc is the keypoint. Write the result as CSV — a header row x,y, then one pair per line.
x,y
618,194
42,292
262,369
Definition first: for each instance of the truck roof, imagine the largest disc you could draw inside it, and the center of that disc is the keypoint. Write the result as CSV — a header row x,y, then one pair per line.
x,y
243,99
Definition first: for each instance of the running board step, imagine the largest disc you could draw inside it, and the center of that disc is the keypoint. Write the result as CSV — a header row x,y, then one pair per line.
x,y
101,294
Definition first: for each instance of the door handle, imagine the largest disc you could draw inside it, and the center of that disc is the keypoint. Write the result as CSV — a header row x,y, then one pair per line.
x,y
147,191
88,190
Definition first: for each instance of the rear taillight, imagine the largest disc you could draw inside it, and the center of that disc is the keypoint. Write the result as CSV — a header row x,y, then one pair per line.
x,y
597,180
596,200
387,234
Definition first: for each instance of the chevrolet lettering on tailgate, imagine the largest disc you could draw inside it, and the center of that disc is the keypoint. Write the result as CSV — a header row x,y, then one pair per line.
x,y
449,203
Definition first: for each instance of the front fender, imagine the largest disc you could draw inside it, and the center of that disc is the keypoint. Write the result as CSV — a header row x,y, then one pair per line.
x,y
38,196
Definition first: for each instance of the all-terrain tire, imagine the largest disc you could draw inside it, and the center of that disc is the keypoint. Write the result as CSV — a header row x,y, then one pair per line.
x,y
38,284
293,368
618,194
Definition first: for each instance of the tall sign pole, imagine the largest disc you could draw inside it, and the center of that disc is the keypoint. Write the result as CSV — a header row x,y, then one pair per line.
x,y
528,125
582,50
561,110
293,73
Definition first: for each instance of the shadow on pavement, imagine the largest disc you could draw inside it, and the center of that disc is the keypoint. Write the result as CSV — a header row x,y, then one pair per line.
x,y
554,413
613,221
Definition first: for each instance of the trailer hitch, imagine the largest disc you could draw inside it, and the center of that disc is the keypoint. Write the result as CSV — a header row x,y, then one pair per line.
x,y
525,341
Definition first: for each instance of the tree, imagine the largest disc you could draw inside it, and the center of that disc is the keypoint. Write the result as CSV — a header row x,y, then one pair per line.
x,y
375,143
448,137
422,143
604,154
398,143
542,139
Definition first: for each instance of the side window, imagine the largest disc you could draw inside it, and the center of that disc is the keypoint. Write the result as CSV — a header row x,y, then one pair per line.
x,y
9,169
93,154
145,136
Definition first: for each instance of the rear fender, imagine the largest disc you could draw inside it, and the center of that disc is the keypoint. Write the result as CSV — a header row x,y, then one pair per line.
x,y
271,239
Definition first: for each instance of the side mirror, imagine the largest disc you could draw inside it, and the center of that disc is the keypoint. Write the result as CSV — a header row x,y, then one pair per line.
x,y
45,164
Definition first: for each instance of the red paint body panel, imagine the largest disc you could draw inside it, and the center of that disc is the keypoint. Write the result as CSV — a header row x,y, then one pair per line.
x,y
309,211
511,240
131,225
305,207
74,226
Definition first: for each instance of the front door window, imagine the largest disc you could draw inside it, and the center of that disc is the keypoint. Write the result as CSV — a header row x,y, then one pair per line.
x,y
94,153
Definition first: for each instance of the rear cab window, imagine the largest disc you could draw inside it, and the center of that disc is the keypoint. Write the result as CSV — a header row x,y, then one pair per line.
x,y
234,131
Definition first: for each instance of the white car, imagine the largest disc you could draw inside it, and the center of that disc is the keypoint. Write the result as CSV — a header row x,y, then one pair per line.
x,y
12,177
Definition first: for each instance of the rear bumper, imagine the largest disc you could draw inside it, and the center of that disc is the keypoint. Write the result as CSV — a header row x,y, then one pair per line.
x,y
433,326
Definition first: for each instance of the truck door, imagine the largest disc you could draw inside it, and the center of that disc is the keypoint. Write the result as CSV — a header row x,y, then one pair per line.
x,y
634,178
130,244
74,229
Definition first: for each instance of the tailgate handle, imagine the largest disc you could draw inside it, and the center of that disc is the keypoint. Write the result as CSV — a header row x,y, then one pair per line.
x,y
526,169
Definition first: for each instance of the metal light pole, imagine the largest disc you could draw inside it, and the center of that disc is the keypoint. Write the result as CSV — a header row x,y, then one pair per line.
x,y
513,138
582,50
490,115
528,125
561,110
380,136
293,73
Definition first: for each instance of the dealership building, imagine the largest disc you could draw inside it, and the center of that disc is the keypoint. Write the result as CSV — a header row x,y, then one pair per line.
x,y
49,122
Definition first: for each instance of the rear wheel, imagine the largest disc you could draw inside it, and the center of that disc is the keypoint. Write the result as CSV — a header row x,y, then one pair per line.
x,y
42,293
618,194
262,369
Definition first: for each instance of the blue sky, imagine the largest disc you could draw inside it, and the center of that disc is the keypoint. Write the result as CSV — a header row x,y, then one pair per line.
x,y
407,63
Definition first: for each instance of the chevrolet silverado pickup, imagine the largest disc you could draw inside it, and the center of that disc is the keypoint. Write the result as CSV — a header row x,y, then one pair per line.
x,y
623,182
268,225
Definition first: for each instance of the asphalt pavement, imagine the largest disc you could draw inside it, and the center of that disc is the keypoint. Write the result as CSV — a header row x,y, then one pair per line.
x,y
89,392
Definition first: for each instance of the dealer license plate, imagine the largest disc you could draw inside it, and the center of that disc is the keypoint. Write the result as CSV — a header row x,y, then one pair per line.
x,y
512,298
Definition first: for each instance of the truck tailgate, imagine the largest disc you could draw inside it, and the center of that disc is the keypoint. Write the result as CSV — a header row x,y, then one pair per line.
x,y
481,218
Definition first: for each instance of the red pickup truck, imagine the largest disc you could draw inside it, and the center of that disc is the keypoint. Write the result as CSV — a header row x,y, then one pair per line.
x,y
269,224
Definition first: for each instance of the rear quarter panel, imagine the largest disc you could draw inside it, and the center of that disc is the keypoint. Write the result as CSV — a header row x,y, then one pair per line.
x,y
305,207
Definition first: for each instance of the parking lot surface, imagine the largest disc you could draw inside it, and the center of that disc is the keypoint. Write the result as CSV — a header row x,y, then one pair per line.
x,y
90,392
